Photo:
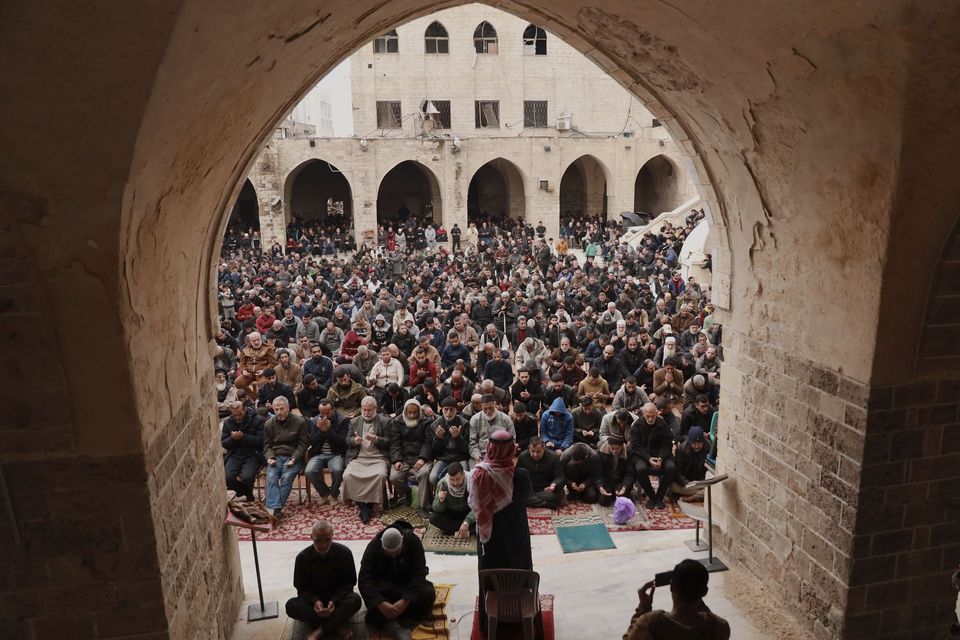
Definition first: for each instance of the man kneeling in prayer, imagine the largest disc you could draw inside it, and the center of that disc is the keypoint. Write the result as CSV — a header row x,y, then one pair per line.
x,y
393,580
451,513
324,575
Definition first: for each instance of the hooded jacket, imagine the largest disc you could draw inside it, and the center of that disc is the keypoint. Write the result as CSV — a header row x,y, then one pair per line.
x,y
556,425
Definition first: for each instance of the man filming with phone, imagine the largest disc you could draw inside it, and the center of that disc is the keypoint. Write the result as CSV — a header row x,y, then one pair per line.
x,y
689,619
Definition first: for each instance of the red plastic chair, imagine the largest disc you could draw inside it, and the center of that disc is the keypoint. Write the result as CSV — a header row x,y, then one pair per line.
x,y
511,595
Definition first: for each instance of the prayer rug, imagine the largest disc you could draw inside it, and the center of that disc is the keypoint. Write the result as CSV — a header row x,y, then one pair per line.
x,y
403,512
515,631
585,537
436,627
299,519
435,540
638,522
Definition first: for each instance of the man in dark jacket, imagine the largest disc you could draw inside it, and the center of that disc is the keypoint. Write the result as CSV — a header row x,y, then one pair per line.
x,y
615,473
327,446
309,397
698,414
324,575
392,401
651,445
579,466
393,580
449,440
270,390
691,460
320,366
410,454
242,437
527,389
546,475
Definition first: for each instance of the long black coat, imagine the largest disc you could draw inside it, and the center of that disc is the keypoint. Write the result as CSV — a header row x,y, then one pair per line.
x,y
509,543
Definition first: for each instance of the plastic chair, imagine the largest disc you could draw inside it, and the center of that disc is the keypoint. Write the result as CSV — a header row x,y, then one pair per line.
x,y
511,595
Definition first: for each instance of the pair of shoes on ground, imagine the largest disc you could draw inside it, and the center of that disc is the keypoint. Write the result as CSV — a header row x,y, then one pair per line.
x,y
655,503
395,630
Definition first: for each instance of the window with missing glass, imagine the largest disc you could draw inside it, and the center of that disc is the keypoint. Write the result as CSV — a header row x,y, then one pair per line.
x,y
534,114
387,43
388,114
485,38
487,114
436,114
435,39
534,41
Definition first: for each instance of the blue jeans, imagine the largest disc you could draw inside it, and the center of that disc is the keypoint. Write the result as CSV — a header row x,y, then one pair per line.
x,y
280,481
315,467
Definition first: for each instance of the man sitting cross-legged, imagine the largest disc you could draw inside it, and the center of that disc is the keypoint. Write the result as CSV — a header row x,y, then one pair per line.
x,y
546,475
651,445
393,580
324,575
616,472
579,466
451,513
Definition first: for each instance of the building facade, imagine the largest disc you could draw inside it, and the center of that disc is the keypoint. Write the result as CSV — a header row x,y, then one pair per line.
x,y
473,111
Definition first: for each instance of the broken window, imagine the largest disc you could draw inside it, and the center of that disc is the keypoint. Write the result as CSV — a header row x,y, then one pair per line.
x,y
534,41
485,38
436,114
387,43
487,114
435,40
534,113
388,114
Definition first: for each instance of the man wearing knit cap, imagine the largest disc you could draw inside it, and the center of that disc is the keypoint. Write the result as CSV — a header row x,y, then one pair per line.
x,y
393,581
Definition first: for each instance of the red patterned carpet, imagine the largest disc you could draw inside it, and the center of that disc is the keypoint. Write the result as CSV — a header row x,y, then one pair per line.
x,y
512,632
299,518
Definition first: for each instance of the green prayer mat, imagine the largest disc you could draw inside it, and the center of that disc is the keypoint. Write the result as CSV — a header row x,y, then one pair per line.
x,y
587,537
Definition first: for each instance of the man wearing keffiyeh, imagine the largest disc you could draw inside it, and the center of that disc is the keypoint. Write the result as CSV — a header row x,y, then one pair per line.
x,y
497,494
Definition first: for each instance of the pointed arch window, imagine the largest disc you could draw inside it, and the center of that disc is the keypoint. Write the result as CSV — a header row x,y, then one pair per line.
x,y
485,38
436,40
387,43
534,41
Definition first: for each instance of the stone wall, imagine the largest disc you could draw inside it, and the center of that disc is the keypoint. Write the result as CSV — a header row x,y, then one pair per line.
x,y
197,554
791,438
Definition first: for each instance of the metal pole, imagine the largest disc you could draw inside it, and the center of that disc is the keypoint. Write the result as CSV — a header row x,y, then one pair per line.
x,y
256,564
709,520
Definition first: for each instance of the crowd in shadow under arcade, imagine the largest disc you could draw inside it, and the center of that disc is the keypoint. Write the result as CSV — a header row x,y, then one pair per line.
x,y
408,362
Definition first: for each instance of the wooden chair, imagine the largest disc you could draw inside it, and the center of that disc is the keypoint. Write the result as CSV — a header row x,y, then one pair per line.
x,y
511,595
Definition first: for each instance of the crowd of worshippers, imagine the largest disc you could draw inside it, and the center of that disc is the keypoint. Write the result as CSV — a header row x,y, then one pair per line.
x,y
389,369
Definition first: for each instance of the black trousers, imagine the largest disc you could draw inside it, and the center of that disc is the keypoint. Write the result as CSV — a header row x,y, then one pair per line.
x,y
448,521
666,472
589,495
344,607
420,606
607,501
546,499
241,474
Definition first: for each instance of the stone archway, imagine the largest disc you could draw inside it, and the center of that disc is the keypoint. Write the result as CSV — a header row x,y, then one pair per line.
x,y
318,190
245,213
409,191
829,127
583,189
655,188
496,191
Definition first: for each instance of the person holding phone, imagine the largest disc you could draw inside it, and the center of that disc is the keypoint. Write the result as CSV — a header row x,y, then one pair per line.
x,y
689,618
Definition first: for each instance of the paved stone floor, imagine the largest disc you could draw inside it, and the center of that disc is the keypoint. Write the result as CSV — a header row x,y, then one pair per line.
x,y
595,591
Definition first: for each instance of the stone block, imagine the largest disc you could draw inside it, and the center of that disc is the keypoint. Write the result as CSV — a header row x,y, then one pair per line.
x,y
880,399
853,392
911,564
887,594
886,421
934,468
131,621
884,474
948,390
76,626
917,394
871,570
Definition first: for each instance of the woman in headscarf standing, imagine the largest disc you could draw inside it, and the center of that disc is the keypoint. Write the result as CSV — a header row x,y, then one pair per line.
x,y
498,493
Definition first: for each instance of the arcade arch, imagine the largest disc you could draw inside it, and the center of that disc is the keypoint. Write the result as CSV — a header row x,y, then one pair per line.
x,y
245,213
655,188
409,190
318,190
583,189
496,191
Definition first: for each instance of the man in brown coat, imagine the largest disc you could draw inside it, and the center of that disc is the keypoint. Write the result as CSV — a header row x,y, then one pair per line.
x,y
668,382
253,359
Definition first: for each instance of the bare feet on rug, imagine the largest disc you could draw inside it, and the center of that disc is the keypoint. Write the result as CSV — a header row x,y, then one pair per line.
x,y
316,634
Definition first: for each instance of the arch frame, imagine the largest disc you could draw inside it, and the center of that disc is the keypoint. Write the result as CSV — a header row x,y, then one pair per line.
x,y
436,186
